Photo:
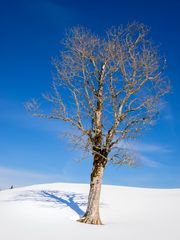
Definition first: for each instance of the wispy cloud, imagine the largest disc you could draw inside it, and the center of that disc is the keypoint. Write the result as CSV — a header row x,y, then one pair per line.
x,y
150,148
145,147
21,177
146,153
147,162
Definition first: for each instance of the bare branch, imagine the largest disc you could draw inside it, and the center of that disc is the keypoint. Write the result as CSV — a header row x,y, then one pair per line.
x,y
109,88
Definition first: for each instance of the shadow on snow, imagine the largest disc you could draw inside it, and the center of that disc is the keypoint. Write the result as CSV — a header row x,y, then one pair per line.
x,y
49,198
69,201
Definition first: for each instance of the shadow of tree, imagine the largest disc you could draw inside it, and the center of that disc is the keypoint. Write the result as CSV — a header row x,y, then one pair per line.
x,y
53,199
69,201
50,198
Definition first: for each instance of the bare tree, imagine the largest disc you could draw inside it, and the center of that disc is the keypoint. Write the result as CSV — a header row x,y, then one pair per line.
x,y
110,89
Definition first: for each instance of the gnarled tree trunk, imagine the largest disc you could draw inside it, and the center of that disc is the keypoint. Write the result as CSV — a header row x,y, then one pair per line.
x,y
92,213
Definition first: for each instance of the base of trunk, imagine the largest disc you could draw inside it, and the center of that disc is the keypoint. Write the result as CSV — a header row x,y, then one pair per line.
x,y
90,220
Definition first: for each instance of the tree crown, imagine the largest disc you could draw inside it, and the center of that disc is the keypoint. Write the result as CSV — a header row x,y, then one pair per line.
x,y
110,88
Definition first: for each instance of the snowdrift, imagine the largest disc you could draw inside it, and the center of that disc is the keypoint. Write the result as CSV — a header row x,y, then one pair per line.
x,y
50,211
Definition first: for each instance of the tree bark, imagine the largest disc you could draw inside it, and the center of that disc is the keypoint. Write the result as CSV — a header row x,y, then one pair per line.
x,y
92,213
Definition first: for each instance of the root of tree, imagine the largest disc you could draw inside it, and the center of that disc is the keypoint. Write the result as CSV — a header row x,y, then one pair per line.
x,y
90,220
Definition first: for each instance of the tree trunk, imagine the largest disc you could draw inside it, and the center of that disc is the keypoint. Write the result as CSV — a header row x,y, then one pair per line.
x,y
92,213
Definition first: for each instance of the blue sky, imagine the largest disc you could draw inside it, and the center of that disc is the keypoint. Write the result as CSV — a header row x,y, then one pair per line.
x,y
34,150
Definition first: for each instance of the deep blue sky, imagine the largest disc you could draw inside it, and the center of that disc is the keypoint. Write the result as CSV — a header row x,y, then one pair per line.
x,y
31,150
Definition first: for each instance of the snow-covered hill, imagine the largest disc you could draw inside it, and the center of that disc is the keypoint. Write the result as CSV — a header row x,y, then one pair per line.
x,y
49,211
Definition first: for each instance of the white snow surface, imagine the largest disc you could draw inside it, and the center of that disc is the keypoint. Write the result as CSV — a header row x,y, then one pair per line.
x,y
49,212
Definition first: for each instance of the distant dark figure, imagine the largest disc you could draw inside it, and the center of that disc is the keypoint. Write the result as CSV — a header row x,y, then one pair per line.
x,y
11,187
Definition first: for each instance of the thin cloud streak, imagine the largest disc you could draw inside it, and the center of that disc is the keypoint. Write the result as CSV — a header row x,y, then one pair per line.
x,y
150,148
147,162
143,152
20,177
